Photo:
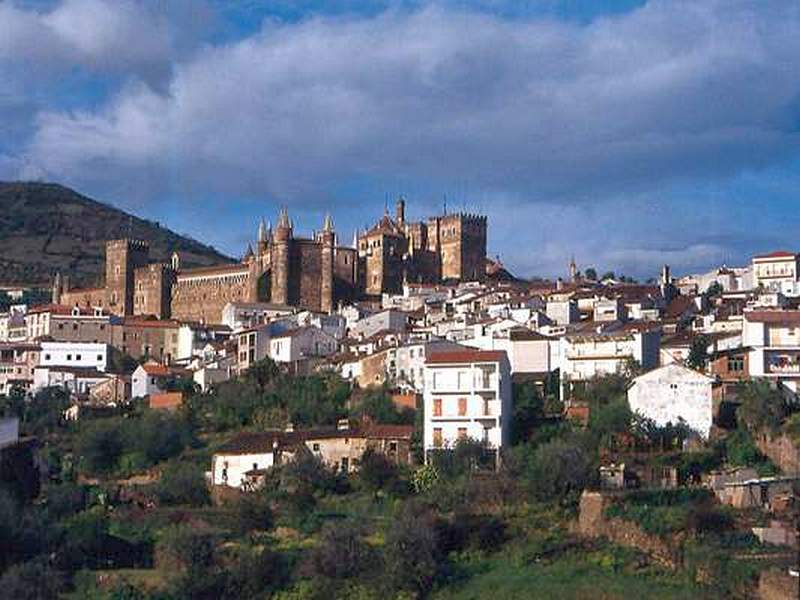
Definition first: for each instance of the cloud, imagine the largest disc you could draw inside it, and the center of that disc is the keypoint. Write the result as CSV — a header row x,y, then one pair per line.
x,y
536,112
538,107
105,36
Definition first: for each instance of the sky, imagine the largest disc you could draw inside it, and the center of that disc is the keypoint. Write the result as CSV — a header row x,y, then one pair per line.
x,y
625,133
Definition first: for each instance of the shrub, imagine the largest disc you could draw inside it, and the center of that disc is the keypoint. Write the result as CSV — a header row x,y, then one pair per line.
x,y
252,512
341,553
32,580
183,483
184,548
99,445
376,472
559,470
255,572
412,558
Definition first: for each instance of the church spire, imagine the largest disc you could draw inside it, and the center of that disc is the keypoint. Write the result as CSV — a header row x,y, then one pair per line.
x,y
328,224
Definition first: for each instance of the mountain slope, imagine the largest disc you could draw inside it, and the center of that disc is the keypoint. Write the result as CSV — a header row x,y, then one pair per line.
x,y
46,228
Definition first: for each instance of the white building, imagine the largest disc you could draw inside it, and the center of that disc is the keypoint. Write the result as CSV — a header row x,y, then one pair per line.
x,y
405,365
467,394
148,379
76,380
392,320
773,337
672,394
597,350
244,315
300,343
776,271
74,354
247,452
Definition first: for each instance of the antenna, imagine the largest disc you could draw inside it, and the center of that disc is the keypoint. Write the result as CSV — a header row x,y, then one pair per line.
x,y
445,205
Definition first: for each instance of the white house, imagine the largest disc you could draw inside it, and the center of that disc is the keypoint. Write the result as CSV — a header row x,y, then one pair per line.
x,y
74,354
598,350
77,380
777,271
303,342
148,379
245,453
467,394
773,337
674,393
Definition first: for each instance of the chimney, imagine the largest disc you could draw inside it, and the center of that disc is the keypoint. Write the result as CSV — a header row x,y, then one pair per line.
x,y
400,212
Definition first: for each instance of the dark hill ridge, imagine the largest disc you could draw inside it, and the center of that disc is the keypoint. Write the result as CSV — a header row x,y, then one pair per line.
x,y
46,228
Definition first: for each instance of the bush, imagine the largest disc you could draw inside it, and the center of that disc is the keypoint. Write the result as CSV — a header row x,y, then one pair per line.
x,y
252,512
412,558
559,470
99,445
183,483
32,580
184,548
376,472
255,572
341,553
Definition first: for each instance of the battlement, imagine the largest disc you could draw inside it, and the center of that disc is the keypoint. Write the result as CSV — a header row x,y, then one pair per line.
x,y
463,217
129,243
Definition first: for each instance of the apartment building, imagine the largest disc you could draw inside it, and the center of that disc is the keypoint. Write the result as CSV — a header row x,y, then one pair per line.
x,y
467,395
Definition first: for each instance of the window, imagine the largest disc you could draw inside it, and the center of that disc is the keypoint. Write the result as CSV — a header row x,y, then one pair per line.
x,y
437,407
462,407
315,447
74,327
47,357
392,446
99,358
345,464
736,364
69,356
255,466
437,437
77,357
462,433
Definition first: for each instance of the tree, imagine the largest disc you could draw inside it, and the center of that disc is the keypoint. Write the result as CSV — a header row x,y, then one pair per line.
x,y
99,445
528,411
341,553
762,406
412,557
698,353
591,274
376,471
559,470
714,289
32,580
253,512
608,275
183,483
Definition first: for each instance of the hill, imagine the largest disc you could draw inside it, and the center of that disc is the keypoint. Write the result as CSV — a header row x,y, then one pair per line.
x,y
46,228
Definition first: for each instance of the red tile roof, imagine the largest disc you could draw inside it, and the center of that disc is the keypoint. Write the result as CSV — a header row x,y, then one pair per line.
x,y
776,254
772,316
166,400
466,356
156,369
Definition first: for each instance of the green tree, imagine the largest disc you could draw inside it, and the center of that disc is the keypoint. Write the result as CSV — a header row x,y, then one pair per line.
x,y
591,274
99,445
762,405
558,471
698,353
412,557
183,483
528,411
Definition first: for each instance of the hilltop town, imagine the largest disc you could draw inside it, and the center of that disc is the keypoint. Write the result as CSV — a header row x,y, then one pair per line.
x,y
319,413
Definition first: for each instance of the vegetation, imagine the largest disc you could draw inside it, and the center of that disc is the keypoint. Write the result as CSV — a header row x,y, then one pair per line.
x,y
125,511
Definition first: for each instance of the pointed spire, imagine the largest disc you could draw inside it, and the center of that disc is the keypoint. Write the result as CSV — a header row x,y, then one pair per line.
x,y
249,252
328,224
262,232
355,238
283,219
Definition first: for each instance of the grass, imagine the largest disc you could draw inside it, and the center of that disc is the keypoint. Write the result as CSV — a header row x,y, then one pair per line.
x,y
590,576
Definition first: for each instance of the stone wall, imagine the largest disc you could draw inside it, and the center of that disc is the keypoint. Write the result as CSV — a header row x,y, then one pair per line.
x,y
201,298
592,522
782,451
778,585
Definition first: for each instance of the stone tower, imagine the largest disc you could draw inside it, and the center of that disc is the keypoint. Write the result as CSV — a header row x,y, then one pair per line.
x,y
123,257
328,239
573,270
56,291
281,240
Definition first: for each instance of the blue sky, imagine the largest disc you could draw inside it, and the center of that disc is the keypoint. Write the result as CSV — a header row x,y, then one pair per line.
x,y
627,133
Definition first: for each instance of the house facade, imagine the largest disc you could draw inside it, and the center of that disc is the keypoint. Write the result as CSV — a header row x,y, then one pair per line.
x,y
467,395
